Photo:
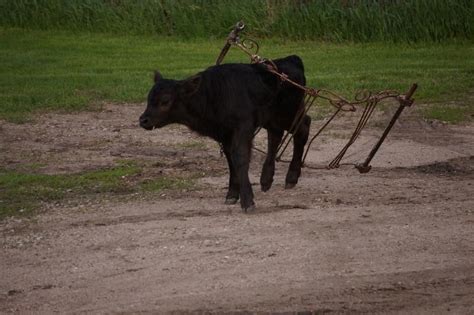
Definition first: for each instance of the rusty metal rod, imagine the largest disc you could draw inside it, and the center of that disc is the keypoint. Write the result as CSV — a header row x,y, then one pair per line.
x,y
308,103
365,167
231,38
317,134
301,112
367,113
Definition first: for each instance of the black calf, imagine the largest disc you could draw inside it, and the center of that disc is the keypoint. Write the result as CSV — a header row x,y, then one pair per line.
x,y
227,103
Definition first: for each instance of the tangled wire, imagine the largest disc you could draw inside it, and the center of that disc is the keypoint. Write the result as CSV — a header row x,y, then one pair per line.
x,y
364,98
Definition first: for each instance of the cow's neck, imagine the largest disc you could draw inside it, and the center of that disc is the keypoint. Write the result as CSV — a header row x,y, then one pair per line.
x,y
196,120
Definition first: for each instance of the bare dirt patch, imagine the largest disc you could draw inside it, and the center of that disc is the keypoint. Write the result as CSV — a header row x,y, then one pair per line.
x,y
398,239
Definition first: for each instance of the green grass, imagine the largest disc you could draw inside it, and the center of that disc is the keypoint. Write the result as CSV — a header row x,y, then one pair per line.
x,y
333,20
42,70
23,192
166,183
449,113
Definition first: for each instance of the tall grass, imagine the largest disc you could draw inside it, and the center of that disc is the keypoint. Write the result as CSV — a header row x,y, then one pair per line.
x,y
330,20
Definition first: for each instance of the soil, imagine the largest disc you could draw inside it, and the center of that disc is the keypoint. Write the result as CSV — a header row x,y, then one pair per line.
x,y
399,239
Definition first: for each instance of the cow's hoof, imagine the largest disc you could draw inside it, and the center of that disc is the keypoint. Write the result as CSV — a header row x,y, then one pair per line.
x,y
266,187
231,201
290,185
250,209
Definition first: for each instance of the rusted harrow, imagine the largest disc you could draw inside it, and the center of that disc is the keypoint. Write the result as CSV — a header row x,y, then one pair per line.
x,y
365,99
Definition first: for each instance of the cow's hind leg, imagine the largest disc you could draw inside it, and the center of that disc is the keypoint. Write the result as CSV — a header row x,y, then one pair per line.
x,y
241,146
268,169
300,138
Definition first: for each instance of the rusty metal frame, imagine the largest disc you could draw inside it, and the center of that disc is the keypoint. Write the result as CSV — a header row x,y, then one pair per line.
x,y
366,99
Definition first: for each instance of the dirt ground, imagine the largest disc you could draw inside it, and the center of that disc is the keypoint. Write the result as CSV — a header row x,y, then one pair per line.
x,y
399,239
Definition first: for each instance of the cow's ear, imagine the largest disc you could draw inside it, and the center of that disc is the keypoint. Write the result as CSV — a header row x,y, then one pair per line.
x,y
191,85
157,77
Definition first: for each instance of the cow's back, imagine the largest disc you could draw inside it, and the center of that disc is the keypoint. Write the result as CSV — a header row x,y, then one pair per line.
x,y
293,67
230,93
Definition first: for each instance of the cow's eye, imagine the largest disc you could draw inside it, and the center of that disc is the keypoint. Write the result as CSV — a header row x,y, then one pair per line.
x,y
165,100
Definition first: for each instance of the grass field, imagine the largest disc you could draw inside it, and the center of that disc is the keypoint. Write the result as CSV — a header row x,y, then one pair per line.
x,y
42,70
329,20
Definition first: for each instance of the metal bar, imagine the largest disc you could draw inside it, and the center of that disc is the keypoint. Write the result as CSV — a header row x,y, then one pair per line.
x,y
285,141
299,114
232,38
308,103
259,150
406,101
318,133
369,108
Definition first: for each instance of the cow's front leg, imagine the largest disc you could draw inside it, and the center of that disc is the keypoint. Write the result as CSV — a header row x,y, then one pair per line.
x,y
233,190
299,141
241,146
268,169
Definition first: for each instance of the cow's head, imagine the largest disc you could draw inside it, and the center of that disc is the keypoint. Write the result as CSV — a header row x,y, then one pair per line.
x,y
165,100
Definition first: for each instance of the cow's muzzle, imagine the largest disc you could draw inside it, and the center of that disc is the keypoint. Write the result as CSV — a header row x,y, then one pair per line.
x,y
146,123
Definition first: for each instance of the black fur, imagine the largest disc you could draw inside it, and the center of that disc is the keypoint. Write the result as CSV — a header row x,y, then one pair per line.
x,y
227,103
